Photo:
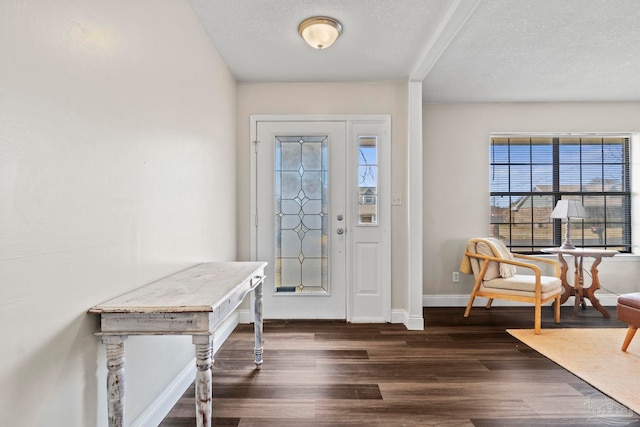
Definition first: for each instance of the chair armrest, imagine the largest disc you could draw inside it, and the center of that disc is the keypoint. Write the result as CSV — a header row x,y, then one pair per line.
x,y
488,258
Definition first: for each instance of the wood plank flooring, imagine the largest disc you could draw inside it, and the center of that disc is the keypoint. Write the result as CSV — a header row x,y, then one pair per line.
x,y
457,372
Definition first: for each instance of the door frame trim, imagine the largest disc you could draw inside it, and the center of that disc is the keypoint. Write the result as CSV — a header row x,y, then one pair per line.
x,y
347,119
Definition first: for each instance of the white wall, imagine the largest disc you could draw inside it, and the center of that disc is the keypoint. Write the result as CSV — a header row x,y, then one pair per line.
x,y
117,167
456,179
331,99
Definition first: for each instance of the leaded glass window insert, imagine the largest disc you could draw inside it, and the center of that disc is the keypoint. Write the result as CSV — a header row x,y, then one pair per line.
x,y
301,220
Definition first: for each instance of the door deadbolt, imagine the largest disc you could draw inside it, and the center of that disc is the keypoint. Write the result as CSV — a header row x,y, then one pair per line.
x,y
340,231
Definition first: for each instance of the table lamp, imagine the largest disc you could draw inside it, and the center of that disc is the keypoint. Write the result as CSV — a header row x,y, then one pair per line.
x,y
568,209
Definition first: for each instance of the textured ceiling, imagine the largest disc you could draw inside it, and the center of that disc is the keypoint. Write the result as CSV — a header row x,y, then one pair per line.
x,y
463,50
259,39
549,50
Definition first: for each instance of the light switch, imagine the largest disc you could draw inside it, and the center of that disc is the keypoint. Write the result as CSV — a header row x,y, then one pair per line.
x,y
396,199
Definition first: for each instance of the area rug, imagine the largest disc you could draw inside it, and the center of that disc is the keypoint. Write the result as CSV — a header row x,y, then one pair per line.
x,y
594,355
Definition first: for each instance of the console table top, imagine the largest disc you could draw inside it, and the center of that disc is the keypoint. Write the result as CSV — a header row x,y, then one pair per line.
x,y
200,288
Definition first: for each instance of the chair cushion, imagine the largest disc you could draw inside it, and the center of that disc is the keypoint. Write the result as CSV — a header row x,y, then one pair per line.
x,y
494,269
506,270
524,283
631,300
629,309
501,293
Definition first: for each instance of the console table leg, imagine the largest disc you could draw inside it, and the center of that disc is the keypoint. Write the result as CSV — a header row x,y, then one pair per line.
x,y
204,392
115,379
258,324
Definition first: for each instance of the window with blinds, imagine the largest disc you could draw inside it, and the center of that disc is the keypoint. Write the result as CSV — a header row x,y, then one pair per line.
x,y
529,174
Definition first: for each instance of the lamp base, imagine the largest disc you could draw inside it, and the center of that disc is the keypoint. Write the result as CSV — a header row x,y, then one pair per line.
x,y
567,241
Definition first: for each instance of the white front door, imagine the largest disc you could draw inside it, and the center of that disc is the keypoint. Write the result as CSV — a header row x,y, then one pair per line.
x,y
321,192
301,218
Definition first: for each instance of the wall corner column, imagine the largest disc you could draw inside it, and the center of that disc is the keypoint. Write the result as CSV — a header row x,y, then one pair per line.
x,y
415,319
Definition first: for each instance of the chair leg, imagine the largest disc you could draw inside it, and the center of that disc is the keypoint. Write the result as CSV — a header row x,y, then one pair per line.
x,y
538,318
472,297
469,304
488,306
556,309
627,339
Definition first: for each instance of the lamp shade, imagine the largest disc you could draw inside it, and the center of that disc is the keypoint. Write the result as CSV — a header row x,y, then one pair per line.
x,y
569,209
320,31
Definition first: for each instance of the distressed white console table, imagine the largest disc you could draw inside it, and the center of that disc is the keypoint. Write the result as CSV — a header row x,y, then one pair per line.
x,y
193,302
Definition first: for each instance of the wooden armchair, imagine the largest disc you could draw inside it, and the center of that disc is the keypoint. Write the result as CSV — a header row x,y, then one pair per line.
x,y
494,268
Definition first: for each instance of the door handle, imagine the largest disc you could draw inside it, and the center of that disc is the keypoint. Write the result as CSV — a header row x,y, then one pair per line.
x,y
340,230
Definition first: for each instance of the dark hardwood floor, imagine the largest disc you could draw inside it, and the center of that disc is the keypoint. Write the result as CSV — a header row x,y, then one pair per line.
x,y
457,372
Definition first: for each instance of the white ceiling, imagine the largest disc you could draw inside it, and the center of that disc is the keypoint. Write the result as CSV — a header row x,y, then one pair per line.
x,y
462,50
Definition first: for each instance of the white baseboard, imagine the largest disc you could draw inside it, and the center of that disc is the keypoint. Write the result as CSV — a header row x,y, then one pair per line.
x,y
445,300
412,324
223,332
606,299
161,405
244,316
398,316
368,320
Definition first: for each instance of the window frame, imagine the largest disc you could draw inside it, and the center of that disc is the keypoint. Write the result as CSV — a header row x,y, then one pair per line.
x,y
625,193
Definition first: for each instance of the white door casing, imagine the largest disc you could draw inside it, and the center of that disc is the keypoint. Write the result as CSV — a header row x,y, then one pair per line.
x,y
359,264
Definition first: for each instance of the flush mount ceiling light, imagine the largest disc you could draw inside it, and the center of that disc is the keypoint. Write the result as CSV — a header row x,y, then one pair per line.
x,y
320,31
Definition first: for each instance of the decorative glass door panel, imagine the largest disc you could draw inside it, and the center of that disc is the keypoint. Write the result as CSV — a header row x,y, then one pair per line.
x,y
300,217
301,214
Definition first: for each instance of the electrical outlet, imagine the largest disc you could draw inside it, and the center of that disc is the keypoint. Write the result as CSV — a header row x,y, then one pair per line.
x,y
455,277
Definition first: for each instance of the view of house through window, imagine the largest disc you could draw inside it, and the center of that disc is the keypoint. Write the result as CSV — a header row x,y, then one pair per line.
x,y
368,180
529,174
